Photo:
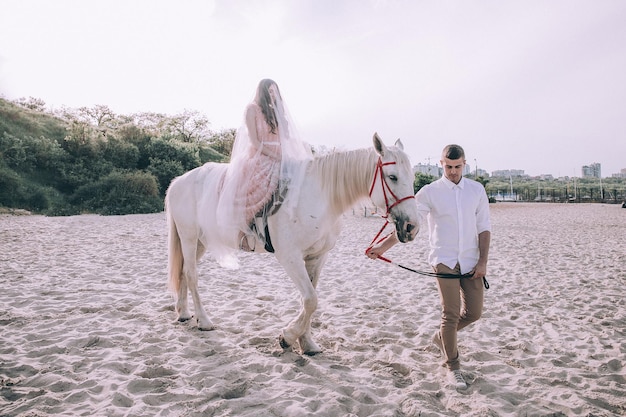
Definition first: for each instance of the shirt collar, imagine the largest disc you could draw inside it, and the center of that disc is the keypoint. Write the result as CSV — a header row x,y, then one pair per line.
x,y
451,185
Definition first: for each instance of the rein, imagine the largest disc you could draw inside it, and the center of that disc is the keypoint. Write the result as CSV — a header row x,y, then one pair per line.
x,y
387,190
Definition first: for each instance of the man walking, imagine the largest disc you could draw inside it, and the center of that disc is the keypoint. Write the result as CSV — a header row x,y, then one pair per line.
x,y
457,212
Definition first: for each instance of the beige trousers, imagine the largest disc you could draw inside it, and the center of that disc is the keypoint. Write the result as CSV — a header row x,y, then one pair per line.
x,y
461,305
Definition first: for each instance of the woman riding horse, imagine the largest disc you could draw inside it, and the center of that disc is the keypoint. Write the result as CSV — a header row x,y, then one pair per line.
x,y
263,157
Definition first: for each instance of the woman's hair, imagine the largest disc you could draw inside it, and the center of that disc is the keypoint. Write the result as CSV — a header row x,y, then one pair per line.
x,y
453,152
265,102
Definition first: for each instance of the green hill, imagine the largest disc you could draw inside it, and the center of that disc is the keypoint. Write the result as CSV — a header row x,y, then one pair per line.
x,y
92,160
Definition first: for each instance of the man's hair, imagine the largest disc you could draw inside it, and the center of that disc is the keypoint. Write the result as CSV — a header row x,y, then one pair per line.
x,y
453,152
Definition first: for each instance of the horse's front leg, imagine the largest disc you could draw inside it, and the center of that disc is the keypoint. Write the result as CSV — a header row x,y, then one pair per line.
x,y
299,328
313,267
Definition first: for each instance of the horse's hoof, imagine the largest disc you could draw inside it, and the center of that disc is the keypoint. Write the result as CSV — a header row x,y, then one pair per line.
x,y
206,325
184,319
312,352
283,343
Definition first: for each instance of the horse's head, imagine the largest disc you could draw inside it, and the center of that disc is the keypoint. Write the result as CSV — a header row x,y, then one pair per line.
x,y
392,188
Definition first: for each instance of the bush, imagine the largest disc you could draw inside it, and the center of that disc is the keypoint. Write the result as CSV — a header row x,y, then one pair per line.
x,y
169,159
61,209
9,185
16,192
120,193
35,199
165,172
122,154
166,150
208,154
421,180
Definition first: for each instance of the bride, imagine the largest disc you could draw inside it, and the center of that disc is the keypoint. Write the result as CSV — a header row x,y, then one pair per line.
x,y
266,162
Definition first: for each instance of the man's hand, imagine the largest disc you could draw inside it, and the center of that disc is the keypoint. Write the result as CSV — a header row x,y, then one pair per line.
x,y
480,271
382,246
374,252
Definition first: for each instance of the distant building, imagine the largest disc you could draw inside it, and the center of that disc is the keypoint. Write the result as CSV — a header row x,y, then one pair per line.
x,y
482,173
437,171
428,169
506,173
621,174
592,171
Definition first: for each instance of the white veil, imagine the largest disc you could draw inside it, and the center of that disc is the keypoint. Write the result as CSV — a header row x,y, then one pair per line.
x,y
289,170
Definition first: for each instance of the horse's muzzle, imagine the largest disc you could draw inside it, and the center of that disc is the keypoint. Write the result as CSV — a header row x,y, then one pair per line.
x,y
406,230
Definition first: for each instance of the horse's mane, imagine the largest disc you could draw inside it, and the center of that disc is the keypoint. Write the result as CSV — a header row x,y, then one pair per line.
x,y
345,176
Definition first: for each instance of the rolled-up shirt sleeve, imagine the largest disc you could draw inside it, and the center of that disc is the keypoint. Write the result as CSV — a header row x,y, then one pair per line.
x,y
483,223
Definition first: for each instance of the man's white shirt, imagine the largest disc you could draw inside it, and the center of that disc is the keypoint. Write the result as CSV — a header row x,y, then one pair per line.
x,y
456,214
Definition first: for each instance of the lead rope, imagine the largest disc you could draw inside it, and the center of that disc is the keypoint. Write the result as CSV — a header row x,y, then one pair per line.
x,y
433,274
425,273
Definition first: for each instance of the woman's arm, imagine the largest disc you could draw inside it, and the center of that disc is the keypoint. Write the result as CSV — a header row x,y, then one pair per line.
x,y
251,125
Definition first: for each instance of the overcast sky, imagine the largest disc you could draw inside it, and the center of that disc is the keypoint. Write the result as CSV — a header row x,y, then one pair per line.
x,y
532,85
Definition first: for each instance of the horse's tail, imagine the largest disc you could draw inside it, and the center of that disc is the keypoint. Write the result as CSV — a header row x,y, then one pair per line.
x,y
174,252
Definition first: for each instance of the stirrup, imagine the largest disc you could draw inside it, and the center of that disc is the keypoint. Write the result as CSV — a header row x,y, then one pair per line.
x,y
246,247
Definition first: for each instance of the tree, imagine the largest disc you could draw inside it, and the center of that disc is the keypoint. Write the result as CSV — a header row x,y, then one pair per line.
x,y
31,103
154,124
484,181
421,180
223,141
189,126
100,115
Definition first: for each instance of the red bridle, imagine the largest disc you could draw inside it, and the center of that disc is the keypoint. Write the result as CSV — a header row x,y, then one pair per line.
x,y
387,192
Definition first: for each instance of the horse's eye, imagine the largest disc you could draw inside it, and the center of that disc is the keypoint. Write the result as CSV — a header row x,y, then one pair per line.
x,y
393,178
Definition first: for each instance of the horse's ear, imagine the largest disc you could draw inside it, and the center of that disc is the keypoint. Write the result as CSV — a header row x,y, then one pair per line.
x,y
379,145
399,144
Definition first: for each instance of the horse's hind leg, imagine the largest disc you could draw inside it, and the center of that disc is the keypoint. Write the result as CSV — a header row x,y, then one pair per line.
x,y
192,252
177,280
182,305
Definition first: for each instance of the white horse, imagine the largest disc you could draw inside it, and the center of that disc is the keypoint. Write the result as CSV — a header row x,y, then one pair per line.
x,y
333,184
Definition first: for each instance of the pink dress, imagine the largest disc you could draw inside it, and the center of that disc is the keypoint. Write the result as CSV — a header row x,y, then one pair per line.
x,y
261,170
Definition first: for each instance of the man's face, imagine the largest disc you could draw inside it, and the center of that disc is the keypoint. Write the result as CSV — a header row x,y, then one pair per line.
x,y
453,169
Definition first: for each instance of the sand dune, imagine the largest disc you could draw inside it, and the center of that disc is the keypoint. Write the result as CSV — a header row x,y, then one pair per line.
x,y
87,327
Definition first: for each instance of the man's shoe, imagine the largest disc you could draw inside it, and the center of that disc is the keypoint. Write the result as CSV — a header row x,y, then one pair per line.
x,y
457,380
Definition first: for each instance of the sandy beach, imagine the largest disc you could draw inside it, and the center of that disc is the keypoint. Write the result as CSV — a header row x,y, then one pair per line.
x,y
87,325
